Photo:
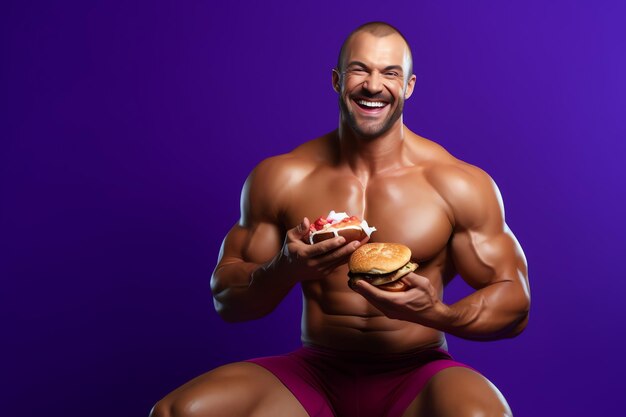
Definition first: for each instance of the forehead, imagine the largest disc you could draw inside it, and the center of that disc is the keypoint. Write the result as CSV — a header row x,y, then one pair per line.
x,y
377,51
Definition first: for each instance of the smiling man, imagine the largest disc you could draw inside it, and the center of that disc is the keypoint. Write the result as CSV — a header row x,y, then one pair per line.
x,y
379,105
366,352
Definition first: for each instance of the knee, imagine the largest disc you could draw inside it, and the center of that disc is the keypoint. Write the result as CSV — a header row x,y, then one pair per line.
x,y
485,401
483,408
466,407
459,392
160,409
174,408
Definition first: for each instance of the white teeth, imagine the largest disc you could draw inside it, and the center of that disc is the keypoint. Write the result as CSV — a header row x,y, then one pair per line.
x,y
371,103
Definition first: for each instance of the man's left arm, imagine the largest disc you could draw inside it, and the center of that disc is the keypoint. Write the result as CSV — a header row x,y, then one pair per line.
x,y
486,255
489,258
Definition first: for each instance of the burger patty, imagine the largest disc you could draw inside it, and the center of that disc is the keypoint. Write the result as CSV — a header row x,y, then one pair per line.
x,y
379,279
370,277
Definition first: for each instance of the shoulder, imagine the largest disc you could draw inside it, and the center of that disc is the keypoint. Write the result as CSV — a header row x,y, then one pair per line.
x,y
472,196
270,183
287,170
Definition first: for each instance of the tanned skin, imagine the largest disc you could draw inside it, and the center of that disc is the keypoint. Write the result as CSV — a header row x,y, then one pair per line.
x,y
449,213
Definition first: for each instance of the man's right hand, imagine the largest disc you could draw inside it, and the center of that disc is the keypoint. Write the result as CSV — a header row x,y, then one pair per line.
x,y
303,261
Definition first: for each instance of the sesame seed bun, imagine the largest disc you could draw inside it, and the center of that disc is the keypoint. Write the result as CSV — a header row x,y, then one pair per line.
x,y
379,258
381,264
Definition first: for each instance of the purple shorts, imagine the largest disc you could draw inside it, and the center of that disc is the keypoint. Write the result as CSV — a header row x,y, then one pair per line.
x,y
331,383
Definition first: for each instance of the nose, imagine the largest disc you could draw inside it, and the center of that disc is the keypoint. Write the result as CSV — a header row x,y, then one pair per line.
x,y
373,83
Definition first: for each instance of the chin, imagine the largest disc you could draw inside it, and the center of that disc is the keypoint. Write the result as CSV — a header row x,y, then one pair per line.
x,y
372,130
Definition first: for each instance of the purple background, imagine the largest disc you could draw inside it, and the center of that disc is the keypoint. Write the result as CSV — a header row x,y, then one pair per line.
x,y
128,128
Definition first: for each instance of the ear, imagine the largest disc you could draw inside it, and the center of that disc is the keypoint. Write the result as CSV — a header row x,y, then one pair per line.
x,y
409,87
336,80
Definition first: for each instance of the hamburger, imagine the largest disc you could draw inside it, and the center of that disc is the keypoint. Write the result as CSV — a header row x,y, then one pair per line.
x,y
338,224
382,265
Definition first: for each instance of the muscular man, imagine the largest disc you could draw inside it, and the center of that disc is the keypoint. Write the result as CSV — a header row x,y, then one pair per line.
x,y
366,352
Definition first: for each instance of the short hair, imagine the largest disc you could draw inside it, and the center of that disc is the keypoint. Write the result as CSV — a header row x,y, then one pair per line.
x,y
378,29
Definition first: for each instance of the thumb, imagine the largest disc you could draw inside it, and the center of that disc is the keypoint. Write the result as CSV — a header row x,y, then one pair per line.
x,y
303,228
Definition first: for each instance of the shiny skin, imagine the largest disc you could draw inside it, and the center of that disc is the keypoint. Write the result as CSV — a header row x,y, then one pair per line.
x,y
449,213
373,69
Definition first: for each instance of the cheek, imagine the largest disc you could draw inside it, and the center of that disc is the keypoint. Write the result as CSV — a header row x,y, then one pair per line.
x,y
349,86
399,90
396,90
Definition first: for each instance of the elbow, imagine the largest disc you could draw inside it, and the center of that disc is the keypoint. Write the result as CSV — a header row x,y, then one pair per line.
x,y
225,313
233,306
520,314
508,331
519,326
521,320
223,302
514,325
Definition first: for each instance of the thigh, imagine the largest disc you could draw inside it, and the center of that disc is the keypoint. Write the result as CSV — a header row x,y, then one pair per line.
x,y
459,392
238,389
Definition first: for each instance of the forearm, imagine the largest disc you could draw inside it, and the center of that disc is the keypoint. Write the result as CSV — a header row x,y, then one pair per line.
x,y
247,291
495,312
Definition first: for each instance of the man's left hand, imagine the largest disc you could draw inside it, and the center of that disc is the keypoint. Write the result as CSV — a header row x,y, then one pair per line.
x,y
419,304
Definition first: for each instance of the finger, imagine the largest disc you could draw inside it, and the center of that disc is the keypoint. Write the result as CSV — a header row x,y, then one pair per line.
x,y
339,253
414,280
325,246
303,228
336,258
374,294
382,300
370,291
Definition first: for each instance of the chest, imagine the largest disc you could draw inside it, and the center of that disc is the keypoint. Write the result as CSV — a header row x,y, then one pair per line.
x,y
403,208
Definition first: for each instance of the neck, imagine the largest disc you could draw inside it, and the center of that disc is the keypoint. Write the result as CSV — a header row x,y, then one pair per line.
x,y
368,156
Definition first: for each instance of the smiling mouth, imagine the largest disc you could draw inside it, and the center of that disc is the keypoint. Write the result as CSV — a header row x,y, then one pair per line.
x,y
371,105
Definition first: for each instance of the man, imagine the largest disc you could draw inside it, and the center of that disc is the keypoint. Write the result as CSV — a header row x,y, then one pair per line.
x,y
366,352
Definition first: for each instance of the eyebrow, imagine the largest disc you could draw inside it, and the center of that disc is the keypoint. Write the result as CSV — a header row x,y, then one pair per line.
x,y
387,68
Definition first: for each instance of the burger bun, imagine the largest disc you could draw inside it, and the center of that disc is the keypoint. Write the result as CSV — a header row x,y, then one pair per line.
x,y
382,265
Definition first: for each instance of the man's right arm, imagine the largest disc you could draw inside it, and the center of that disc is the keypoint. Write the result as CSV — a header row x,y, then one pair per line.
x,y
244,288
258,264
242,284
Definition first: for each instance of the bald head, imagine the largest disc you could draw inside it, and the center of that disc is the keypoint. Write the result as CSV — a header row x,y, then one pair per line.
x,y
380,30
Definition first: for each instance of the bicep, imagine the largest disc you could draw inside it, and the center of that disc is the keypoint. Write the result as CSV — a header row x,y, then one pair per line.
x,y
486,257
257,237
244,248
484,249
